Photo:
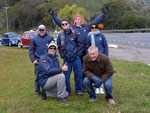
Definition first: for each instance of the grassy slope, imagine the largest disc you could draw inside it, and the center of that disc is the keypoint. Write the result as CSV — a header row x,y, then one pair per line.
x,y
131,88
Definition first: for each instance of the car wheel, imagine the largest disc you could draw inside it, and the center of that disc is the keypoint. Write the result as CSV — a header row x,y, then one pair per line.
x,y
10,44
19,45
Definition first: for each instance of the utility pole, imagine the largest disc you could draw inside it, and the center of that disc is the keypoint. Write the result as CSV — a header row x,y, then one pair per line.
x,y
6,8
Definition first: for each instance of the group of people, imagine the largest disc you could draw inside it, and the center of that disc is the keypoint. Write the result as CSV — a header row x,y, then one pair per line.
x,y
83,48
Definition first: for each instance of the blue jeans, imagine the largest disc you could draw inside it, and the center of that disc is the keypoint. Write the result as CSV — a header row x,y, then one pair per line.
x,y
37,85
107,85
77,69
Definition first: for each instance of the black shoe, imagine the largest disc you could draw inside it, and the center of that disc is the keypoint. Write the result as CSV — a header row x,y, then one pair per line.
x,y
43,93
63,99
84,90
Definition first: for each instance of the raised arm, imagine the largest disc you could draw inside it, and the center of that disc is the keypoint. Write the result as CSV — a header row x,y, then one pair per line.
x,y
55,18
99,18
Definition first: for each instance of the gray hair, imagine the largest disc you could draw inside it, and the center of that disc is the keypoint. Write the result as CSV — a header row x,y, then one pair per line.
x,y
93,48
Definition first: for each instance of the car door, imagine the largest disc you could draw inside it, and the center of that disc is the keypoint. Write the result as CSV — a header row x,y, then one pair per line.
x,y
5,39
25,39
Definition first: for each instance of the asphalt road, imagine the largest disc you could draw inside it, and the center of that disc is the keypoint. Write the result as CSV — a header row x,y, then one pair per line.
x,y
133,39
131,46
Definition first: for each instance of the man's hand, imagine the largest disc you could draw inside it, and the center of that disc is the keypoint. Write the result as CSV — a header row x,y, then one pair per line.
x,y
97,81
65,67
35,62
51,11
106,9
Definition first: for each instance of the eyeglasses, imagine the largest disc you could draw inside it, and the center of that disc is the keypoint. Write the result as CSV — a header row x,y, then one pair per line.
x,y
63,24
52,48
94,27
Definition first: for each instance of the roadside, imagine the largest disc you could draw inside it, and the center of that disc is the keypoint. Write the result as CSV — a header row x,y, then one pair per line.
x,y
130,53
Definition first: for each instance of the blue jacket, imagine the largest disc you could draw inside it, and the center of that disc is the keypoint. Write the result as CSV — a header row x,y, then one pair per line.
x,y
83,30
71,48
48,66
39,46
100,43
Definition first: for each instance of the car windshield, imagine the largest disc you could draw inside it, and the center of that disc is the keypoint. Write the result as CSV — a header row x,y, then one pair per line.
x,y
33,34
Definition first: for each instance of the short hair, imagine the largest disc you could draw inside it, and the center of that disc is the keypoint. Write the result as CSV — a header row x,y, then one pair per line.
x,y
93,48
65,20
96,25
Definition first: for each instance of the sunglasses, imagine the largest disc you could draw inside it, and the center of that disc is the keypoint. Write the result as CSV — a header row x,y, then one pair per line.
x,y
52,48
41,30
63,24
94,27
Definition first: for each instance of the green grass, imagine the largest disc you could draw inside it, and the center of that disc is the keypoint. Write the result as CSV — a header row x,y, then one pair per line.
x,y
131,88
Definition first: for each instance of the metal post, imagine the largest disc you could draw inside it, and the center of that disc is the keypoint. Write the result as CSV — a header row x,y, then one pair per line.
x,y
6,17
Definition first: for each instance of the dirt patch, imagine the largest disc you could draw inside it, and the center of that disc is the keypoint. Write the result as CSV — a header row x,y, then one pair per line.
x,y
130,53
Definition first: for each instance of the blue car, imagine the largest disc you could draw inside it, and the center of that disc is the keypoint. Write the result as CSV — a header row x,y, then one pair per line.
x,y
10,38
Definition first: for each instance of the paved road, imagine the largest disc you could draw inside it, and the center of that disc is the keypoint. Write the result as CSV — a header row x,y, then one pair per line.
x,y
134,39
131,46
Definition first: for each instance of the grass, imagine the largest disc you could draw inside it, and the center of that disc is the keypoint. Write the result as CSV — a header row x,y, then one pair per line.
x,y
131,88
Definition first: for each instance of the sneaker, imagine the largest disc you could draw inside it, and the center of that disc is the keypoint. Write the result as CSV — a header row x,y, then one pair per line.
x,y
111,101
63,99
84,90
101,90
97,91
80,94
43,93
92,99
37,94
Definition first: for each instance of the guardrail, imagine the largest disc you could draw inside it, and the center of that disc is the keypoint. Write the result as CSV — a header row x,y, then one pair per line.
x,y
127,31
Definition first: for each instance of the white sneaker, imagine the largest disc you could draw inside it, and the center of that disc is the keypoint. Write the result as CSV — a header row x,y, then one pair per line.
x,y
97,91
101,90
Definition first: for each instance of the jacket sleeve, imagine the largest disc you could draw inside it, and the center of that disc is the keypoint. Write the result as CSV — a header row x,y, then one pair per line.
x,y
108,70
97,20
57,20
59,46
32,50
88,43
105,45
86,71
47,69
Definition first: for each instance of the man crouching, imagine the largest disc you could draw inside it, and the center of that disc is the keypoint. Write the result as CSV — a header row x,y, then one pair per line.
x,y
51,78
98,69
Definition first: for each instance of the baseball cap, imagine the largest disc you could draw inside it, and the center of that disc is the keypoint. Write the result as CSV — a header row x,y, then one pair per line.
x,y
41,27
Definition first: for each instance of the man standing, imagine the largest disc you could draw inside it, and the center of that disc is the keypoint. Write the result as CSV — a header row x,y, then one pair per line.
x,y
51,78
68,46
98,69
39,47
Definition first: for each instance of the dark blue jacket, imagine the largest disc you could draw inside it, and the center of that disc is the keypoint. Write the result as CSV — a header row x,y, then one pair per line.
x,y
39,46
100,43
71,47
83,30
48,66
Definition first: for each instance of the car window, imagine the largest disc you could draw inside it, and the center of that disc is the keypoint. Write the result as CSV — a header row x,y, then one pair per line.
x,y
33,35
6,36
26,35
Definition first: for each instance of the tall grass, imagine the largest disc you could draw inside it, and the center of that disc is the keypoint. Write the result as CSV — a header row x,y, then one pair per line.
x,y
131,88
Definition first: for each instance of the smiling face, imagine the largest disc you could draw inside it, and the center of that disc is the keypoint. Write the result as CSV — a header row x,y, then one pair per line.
x,y
42,32
78,20
52,50
93,53
65,25
94,28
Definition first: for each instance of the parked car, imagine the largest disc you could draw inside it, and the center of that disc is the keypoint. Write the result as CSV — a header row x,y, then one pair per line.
x,y
26,38
10,38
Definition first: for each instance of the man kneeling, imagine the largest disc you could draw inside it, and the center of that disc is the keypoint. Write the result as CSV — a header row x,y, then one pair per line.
x,y
51,78
98,69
